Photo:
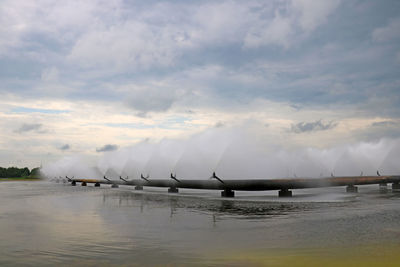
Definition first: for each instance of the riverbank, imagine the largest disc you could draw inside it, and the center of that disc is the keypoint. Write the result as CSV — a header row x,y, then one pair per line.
x,y
20,179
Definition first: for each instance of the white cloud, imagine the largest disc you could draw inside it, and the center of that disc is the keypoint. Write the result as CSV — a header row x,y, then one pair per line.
x,y
283,28
50,74
387,33
278,31
313,13
59,21
114,35
13,23
220,23
154,38
130,45
270,62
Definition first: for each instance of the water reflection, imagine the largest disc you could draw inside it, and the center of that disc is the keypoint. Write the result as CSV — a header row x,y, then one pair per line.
x,y
215,208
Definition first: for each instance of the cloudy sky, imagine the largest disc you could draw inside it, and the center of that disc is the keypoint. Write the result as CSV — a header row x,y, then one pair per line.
x,y
88,77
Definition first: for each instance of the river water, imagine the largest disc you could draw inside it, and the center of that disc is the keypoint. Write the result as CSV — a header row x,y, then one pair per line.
x,y
47,223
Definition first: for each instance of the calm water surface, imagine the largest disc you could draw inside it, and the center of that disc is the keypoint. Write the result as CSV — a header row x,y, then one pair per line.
x,y
47,223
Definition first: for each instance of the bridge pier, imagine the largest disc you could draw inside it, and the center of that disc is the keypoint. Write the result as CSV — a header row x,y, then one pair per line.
x,y
228,193
114,186
83,184
138,187
97,185
351,189
173,190
396,186
73,183
285,193
383,187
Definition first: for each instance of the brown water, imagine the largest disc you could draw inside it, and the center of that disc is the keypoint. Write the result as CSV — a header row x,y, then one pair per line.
x,y
45,223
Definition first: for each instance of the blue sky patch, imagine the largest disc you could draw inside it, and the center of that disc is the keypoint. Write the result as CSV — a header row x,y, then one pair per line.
x,y
38,110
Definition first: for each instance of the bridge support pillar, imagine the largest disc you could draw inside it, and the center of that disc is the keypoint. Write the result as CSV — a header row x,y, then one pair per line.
x,y
114,186
351,189
73,183
228,193
285,193
97,185
138,187
383,187
83,184
396,187
173,190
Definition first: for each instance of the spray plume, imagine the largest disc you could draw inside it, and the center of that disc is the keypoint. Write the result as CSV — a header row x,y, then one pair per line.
x,y
233,154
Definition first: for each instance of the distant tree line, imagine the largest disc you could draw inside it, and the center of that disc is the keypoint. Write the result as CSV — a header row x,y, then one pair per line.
x,y
14,172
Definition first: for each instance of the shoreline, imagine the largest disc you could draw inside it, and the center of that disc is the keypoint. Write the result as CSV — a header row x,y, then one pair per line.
x,y
20,179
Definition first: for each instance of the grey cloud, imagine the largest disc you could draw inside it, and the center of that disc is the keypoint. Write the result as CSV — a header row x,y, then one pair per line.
x,y
168,54
26,127
285,28
147,98
149,37
154,103
140,43
222,55
219,124
65,147
303,127
383,123
387,33
379,130
107,148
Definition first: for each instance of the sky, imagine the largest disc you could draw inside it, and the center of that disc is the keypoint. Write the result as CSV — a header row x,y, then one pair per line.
x,y
94,78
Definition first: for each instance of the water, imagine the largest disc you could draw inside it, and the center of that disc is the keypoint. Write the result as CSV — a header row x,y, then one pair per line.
x,y
45,223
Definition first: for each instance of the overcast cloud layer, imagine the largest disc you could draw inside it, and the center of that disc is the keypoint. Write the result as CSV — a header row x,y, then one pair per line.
x,y
89,77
